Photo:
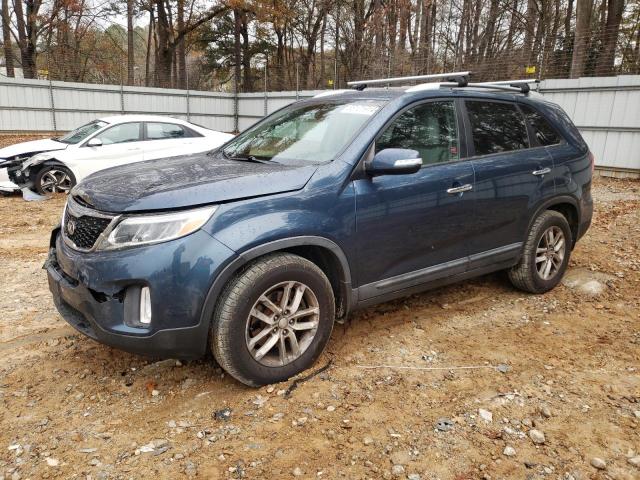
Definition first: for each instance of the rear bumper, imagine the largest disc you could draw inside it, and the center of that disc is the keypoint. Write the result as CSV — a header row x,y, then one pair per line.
x,y
90,292
586,214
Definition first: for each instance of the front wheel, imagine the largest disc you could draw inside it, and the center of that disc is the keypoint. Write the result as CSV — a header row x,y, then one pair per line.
x,y
546,254
273,319
54,179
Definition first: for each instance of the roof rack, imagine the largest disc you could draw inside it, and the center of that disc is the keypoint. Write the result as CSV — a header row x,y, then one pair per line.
x,y
461,79
452,79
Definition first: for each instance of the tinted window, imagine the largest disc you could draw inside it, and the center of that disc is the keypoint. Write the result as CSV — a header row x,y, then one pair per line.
x,y
429,128
125,132
496,127
160,131
545,133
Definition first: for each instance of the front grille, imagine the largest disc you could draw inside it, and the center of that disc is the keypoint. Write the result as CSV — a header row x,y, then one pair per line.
x,y
84,230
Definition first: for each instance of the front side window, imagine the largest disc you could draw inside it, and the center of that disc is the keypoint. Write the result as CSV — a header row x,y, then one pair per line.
x,y
80,133
430,128
545,133
161,131
305,133
123,133
496,127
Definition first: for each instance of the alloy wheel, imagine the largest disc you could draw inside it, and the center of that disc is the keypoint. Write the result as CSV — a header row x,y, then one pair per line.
x,y
55,181
282,323
550,253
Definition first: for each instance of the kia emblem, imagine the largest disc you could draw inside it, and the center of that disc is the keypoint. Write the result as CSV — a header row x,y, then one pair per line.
x,y
71,227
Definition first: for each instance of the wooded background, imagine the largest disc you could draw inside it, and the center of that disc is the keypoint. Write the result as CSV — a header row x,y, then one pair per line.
x,y
245,46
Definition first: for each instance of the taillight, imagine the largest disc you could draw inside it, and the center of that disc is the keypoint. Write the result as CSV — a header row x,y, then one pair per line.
x,y
592,159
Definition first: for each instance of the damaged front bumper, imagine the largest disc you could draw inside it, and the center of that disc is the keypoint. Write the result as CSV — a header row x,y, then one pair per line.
x,y
98,293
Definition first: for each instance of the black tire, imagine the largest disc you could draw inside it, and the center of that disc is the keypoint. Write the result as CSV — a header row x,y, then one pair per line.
x,y
230,323
525,275
57,170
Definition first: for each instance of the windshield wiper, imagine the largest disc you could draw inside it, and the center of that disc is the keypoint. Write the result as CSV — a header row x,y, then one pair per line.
x,y
245,158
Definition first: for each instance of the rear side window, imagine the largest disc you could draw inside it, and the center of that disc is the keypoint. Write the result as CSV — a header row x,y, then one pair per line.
x,y
496,127
430,128
545,133
161,131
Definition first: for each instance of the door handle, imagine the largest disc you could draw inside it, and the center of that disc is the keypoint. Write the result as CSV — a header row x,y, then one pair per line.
x,y
460,189
542,171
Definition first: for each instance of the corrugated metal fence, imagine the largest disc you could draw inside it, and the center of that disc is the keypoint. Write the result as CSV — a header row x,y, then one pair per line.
x,y
605,109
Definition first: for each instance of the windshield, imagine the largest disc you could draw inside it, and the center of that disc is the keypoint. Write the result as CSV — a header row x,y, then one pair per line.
x,y
311,133
80,133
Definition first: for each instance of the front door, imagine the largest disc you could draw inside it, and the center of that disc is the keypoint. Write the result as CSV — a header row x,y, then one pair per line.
x,y
413,228
120,145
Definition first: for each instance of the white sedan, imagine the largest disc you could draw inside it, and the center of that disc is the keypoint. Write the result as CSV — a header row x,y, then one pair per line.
x,y
56,165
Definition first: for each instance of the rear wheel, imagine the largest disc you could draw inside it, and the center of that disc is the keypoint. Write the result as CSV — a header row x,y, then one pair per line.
x,y
273,319
546,254
54,179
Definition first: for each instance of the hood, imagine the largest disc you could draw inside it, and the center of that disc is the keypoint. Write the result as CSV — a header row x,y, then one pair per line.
x,y
186,181
31,148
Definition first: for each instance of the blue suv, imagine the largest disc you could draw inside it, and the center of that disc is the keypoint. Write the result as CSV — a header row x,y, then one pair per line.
x,y
342,201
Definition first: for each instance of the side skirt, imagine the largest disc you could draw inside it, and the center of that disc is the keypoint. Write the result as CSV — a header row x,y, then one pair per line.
x,y
438,276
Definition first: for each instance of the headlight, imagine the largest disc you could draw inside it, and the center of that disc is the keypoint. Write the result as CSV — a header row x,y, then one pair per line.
x,y
146,229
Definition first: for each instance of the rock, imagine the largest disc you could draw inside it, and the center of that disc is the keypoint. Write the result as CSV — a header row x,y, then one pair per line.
x,y
637,414
52,462
155,393
397,470
297,472
586,282
368,441
537,437
598,463
444,424
270,389
545,411
486,415
224,414
503,368
331,408
509,451
413,476
190,469
635,461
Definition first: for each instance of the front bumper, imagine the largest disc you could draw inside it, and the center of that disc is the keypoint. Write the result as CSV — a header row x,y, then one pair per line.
x,y
90,292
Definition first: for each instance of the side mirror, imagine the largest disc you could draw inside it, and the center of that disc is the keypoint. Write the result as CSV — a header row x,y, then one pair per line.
x,y
394,161
94,142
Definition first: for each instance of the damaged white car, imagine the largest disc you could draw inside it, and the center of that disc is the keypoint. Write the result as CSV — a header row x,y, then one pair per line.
x,y
56,165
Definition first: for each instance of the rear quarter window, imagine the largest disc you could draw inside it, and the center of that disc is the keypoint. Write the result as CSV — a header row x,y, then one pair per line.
x,y
496,127
543,131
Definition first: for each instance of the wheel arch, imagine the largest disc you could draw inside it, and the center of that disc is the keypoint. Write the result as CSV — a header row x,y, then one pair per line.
x,y
36,168
568,207
325,253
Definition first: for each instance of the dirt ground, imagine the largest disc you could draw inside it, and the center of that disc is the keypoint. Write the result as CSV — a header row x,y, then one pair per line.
x,y
488,370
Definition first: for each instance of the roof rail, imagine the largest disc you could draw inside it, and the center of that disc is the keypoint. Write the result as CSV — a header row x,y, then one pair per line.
x,y
459,78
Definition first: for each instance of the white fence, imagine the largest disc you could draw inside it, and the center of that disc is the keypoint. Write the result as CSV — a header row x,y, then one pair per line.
x,y
605,109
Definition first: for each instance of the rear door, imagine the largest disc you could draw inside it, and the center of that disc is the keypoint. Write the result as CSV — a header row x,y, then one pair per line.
x,y
166,139
513,174
412,229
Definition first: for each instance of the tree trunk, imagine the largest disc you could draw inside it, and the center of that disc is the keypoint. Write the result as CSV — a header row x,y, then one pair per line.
x,y
584,8
182,54
6,38
247,82
607,55
148,54
237,48
130,58
164,60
